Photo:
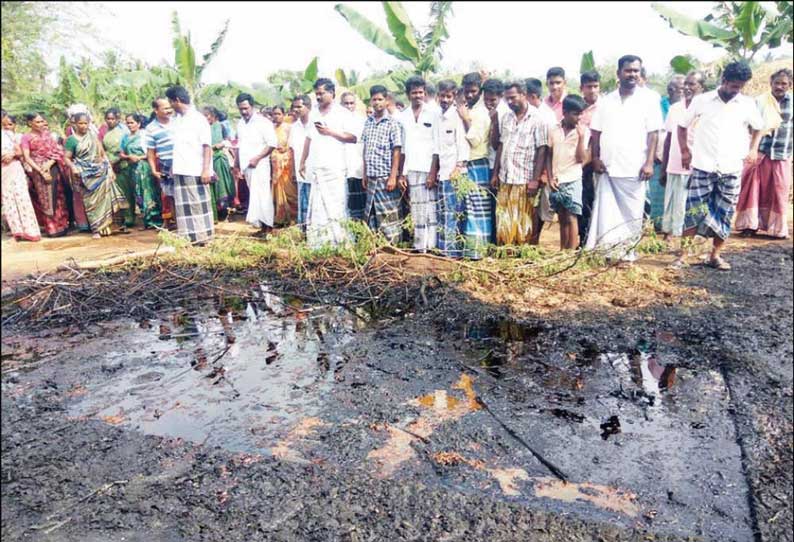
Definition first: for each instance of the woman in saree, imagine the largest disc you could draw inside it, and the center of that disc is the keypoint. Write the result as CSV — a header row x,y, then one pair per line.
x,y
222,189
18,210
89,164
285,189
147,190
111,141
44,157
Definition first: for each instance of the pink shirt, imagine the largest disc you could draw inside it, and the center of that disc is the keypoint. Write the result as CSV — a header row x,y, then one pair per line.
x,y
587,114
674,116
555,106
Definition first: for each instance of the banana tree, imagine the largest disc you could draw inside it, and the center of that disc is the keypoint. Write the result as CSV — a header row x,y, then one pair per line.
x,y
422,49
189,70
741,28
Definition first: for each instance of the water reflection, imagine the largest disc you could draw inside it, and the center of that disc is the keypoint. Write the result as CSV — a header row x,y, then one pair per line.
x,y
236,377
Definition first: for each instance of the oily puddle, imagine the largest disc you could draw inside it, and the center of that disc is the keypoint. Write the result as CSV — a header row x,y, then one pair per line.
x,y
639,438
241,378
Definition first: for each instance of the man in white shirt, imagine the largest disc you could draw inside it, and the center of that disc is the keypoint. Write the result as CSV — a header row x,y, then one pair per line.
x,y
191,168
624,132
301,108
452,157
331,127
419,162
356,193
725,119
256,139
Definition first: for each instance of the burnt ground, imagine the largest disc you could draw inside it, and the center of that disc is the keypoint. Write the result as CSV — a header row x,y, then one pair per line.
x,y
671,422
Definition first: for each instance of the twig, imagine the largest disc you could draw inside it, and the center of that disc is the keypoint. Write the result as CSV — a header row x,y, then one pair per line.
x,y
548,464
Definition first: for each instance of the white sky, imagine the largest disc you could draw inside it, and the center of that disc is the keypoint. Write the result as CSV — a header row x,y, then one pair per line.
x,y
526,38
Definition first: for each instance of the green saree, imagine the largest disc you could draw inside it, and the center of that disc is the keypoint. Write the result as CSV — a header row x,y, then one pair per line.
x,y
147,190
101,196
124,175
223,190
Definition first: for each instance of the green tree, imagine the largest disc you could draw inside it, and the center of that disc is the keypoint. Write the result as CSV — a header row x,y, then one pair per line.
x,y
24,27
189,70
741,28
422,49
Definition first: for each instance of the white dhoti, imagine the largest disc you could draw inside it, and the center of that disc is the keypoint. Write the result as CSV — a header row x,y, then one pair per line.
x,y
260,202
327,208
423,210
616,223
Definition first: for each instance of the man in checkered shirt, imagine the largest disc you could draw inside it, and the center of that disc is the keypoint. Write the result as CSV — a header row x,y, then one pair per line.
x,y
382,141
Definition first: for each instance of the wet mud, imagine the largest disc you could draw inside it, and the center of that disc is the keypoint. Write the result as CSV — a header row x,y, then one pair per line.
x,y
274,419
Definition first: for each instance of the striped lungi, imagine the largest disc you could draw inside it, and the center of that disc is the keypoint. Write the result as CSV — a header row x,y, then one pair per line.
x,y
193,206
382,209
675,196
711,202
451,220
513,214
479,210
423,210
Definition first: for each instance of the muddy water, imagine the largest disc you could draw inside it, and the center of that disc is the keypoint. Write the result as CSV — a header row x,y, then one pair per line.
x,y
239,379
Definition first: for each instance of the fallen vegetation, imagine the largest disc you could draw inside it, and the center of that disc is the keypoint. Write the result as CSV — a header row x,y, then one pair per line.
x,y
368,276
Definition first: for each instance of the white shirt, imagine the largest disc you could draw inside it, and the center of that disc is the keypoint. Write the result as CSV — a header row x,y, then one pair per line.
x,y
624,125
252,138
547,115
420,138
723,139
297,140
190,132
327,152
354,152
453,147
433,106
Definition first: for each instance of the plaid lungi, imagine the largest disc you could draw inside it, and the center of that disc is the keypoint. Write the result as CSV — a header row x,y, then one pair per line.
x,y
478,205
711,202
451,220
382,209
356,199
193,206
423,210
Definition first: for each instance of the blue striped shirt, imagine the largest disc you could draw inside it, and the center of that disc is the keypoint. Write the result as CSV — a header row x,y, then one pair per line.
x,y
159,138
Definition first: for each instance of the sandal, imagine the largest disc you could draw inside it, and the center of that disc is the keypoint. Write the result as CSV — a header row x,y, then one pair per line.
x,y
719,263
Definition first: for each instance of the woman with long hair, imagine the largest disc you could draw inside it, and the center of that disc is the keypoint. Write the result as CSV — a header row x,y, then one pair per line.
x,y
222,189
147,191
285,189
44,156
111,141
88,162
18,210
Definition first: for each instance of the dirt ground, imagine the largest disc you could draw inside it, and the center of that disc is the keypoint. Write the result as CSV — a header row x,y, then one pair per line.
x,y
462,417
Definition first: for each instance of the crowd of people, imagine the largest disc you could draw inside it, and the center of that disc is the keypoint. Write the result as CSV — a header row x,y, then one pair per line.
x,y
472,164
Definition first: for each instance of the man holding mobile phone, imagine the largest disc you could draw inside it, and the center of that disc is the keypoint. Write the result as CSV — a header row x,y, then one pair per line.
x,y
332,127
